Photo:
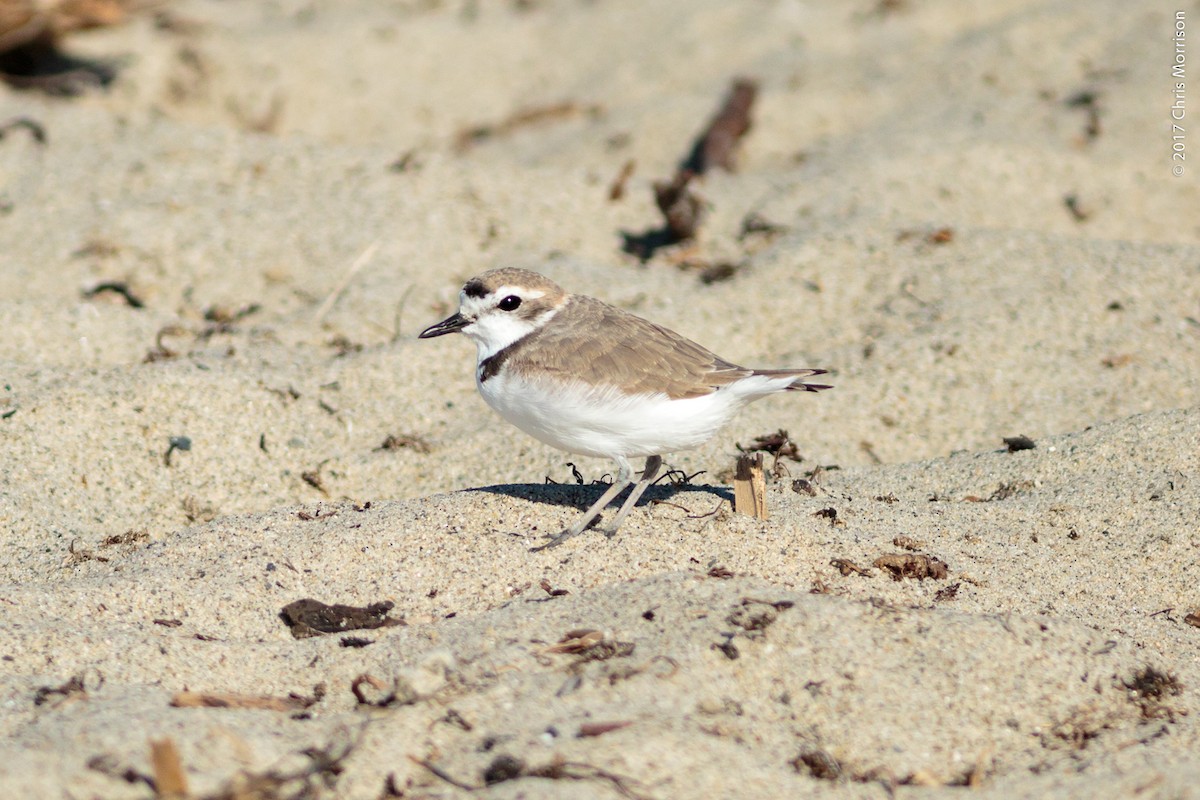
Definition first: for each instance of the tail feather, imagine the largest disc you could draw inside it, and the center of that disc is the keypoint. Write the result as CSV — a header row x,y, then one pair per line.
x,y
797,385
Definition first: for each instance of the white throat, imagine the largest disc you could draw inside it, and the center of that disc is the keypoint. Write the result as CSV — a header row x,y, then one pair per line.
x,y
493,329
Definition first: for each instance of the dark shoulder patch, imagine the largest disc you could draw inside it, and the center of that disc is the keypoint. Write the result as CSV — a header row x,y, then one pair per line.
x,y
474,289
492,364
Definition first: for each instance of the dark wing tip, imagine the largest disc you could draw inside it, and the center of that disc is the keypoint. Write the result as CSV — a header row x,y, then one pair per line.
x,y
800,386
808,387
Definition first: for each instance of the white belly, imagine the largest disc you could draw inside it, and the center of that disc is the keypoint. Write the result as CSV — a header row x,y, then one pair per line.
x,y
594,421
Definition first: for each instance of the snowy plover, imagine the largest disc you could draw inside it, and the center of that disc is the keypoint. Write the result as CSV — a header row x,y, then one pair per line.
x,y
592,379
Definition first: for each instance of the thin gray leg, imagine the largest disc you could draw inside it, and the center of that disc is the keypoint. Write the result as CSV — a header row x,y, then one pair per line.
x,y
623,479
653,463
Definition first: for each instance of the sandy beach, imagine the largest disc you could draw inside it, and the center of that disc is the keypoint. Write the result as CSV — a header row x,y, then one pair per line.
x,y
213,404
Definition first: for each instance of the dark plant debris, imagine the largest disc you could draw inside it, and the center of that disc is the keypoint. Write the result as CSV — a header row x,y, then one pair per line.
x,y
35,128
119,288
719,272
778,444
677,477
176,443
754,616
804,486
320,513
727,648
1089,101
1117,361
315,778
1071,201
406,162
590,645
817,764
1010,489
830,514
128,537
937,236
754,224
1149,688
1015,444
590,729
310,617
410,441
505,767
680,207
940,236
224,317
946,593
74,688
371,691
711,272
80,555
313,478
912,565
344,346
847,568
550,590
715,147
161,352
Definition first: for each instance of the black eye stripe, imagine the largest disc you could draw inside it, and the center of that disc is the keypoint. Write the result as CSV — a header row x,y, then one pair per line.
x,y
510,303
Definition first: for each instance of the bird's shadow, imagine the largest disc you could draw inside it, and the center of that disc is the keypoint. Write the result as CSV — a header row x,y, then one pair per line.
x,y
581,496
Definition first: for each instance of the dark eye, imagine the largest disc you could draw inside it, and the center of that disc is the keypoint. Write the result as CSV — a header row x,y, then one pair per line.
x,y
510,303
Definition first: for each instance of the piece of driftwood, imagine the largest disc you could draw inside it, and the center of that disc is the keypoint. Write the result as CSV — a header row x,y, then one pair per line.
x,y
750,486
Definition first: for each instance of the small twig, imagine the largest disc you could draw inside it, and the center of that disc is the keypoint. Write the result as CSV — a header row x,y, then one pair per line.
x,y
684,509
468,137
396,327
441,773
579,771
358,264
716,508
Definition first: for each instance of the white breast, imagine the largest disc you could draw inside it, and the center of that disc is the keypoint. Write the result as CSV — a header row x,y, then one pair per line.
x,y
599,421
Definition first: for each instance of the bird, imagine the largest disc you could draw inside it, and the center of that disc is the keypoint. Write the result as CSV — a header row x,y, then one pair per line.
x,y
589,378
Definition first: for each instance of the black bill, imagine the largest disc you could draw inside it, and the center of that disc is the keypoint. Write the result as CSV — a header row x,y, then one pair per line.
x,y
451,324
